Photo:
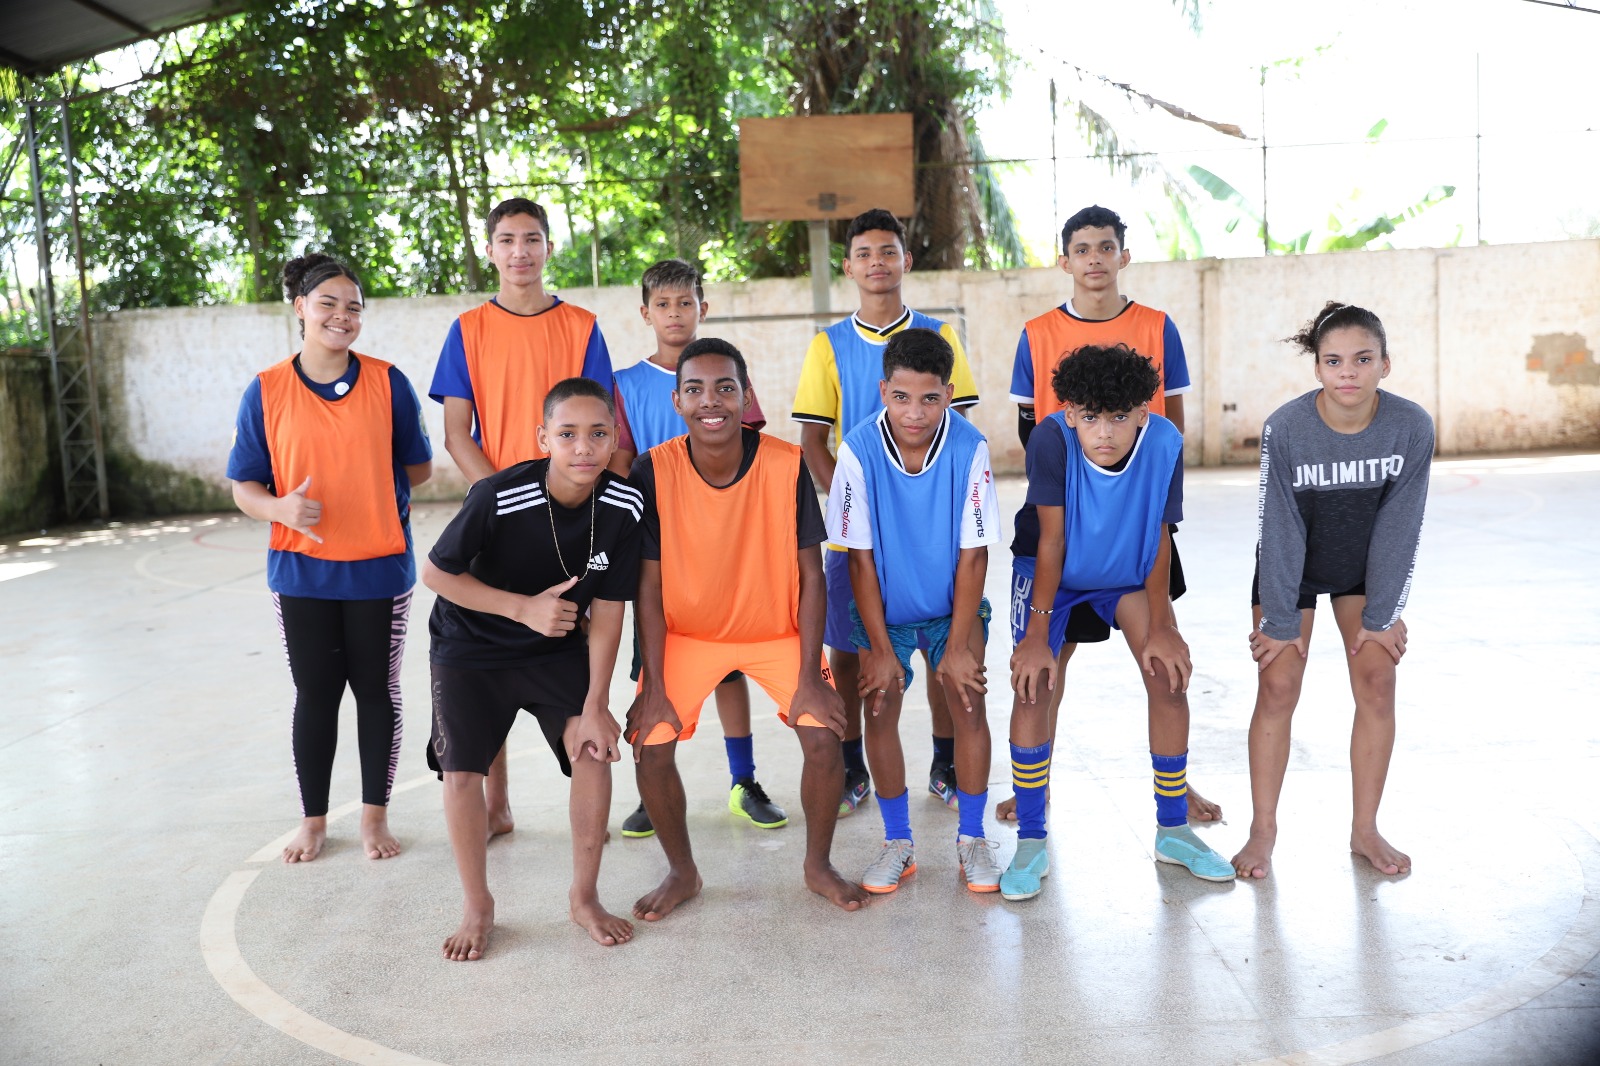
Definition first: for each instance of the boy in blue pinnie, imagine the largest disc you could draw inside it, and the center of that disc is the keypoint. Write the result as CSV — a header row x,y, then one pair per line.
x,y
1106,477
913,501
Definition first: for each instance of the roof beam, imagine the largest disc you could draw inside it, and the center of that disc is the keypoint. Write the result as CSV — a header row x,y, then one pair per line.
x,y
115,16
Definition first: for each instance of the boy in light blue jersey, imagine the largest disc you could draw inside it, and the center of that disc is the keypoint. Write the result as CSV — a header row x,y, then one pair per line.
x,y
1105,476
913,501
674,306
838,390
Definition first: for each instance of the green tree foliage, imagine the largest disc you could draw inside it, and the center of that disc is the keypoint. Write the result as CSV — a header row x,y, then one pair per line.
x,y
383,131
1343,230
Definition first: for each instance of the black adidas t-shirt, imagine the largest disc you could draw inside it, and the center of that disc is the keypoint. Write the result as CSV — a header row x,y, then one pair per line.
x,y
502,537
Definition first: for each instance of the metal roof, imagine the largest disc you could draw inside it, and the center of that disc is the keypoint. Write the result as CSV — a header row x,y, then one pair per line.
x,y
39,36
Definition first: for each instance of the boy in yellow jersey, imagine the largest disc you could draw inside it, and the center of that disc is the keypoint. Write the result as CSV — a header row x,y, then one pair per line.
x,y
838,391
730,579
499,361
1094,252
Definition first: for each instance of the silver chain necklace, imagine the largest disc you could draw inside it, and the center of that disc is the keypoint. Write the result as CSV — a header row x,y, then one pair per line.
x,y
550,506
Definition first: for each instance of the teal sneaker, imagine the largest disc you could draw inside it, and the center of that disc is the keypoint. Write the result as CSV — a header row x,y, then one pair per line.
x,y
1029,866
1178,844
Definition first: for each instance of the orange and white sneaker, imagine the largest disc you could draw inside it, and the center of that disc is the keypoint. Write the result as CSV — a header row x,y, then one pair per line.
x,y
897,860
978,868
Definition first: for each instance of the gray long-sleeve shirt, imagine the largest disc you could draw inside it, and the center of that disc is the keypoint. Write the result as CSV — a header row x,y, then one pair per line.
x,y
1337,509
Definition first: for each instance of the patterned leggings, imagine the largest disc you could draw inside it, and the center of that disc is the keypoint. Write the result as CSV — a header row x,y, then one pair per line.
x,y
332,643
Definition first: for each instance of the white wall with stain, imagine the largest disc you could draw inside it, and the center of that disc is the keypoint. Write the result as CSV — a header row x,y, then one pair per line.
x,y
1498,342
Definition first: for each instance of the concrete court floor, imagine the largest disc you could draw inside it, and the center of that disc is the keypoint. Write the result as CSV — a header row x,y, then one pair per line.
x,y
145,786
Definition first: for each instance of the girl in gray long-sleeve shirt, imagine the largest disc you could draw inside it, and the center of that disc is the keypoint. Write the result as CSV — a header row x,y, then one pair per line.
x,y
1344,478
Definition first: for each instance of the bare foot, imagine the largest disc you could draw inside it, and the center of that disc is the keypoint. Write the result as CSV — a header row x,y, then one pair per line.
x,y
826,882
500,822
1006,809
376,840
471,939
602,926
307,844
1384,856
674,889
1255,858
1202,809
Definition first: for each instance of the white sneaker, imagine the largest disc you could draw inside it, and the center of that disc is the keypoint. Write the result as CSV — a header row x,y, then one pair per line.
x,y
897,859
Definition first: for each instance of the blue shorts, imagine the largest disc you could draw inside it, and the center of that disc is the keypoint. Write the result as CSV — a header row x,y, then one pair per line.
x,y
930,636
1102,601
836,628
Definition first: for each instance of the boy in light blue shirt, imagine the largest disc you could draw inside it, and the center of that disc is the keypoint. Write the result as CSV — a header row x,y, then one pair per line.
x,y
913,501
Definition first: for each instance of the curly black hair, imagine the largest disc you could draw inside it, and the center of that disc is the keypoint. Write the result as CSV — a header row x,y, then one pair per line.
x,y
304,273
1098,378
1335,315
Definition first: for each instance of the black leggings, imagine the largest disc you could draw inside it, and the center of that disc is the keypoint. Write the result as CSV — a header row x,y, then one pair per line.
x,y
331,643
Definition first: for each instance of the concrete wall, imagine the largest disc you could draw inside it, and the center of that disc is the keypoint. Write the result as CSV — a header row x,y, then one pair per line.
x,y
30,473
1497,342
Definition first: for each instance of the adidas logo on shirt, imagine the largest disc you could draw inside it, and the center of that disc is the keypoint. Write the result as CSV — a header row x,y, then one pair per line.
x,y
599,562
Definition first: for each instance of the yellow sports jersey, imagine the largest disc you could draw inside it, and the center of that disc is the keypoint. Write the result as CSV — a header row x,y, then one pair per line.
x,y
839,379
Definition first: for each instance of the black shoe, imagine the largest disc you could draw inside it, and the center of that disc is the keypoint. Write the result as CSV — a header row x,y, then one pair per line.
x,y
749,800
857,786
942,782
638,824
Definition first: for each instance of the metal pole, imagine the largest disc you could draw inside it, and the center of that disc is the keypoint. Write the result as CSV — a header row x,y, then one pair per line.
x,y
821,268
83,313
1055,179
1477,92
46,291
1266,239
41,240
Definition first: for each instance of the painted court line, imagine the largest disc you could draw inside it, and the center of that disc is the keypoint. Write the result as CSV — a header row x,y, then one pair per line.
x,y
221,949
1581,943
1571,954
142,568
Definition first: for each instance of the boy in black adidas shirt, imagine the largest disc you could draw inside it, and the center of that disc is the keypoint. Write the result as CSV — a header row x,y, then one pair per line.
x,y
534,545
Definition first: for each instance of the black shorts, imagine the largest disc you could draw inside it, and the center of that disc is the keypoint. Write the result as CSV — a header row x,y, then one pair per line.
x,y
1085,626
638,663
473,710
1308,600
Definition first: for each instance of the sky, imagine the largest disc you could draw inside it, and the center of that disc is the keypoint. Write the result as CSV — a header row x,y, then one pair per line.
x,y
1522,75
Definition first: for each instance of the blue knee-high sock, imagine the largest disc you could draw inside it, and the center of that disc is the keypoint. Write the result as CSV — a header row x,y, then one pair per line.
x,y
1172,789
854,759
970,807
741,757
1030,776
896,816
944,750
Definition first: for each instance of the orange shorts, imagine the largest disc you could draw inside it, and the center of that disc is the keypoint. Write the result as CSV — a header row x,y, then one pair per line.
x,y
692,669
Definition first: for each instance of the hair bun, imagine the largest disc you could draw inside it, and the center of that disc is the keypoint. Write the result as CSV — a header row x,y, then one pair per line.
x,y
296,269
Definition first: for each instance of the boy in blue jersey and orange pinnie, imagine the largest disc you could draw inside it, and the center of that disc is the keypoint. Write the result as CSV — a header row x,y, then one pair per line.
x,y
913,500
838,390
1094,252
1105,475
674,306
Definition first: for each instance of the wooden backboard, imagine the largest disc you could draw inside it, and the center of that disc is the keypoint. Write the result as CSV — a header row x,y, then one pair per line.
x,y
825,166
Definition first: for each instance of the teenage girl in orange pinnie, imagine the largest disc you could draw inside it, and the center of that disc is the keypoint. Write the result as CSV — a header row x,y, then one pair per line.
x,y
327,447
